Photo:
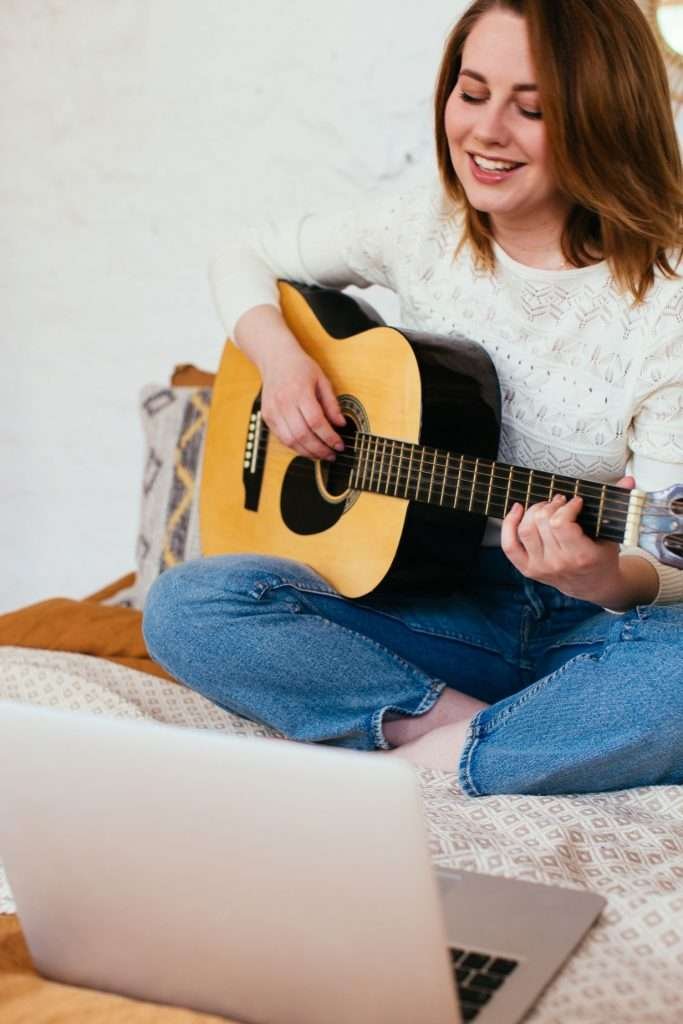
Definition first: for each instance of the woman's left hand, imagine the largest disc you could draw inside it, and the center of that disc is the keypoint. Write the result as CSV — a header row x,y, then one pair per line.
x,y
547,544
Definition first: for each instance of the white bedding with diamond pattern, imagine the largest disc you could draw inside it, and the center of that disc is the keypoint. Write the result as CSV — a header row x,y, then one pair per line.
x,y
626,845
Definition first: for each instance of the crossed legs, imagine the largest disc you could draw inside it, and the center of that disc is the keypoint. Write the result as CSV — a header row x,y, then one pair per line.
x,y
437,738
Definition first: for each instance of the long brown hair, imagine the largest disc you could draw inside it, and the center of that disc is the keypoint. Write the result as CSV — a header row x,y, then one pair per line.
x,y
613,146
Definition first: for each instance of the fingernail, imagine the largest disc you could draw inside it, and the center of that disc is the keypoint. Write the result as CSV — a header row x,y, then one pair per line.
x,y
339,447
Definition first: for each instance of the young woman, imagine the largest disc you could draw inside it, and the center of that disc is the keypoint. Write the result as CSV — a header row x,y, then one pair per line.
x,y
552,237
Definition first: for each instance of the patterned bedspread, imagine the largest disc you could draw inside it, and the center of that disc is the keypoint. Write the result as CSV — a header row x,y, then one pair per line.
x,y
626,845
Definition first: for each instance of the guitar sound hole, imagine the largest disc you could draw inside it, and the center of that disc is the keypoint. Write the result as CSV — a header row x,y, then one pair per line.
x,y
337,474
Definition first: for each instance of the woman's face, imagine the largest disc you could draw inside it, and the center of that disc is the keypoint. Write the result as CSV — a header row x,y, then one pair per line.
x,y
493,114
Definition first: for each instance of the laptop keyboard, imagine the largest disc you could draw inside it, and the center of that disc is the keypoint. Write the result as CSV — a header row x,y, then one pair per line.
x,y
478,977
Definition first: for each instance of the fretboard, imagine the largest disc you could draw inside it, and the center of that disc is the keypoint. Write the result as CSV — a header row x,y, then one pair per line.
x,y
467,484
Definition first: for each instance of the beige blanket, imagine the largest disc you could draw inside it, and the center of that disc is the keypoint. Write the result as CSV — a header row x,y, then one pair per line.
x,y
626,845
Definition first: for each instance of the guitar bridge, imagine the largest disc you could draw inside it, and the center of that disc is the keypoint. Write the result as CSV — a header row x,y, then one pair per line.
x,y
254,456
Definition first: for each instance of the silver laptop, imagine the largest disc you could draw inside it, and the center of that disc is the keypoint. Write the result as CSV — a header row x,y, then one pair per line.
x,y
268,881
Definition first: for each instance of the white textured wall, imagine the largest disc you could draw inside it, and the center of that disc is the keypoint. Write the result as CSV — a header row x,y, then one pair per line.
x,y
135,134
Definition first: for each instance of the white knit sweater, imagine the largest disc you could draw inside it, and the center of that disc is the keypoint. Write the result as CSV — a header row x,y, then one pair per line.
x,y
591,387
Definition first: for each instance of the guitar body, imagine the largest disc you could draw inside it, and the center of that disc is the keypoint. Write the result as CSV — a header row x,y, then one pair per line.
x,y
258,496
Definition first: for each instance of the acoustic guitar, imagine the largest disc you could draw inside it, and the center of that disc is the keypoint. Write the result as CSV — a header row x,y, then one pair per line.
x,y
404,506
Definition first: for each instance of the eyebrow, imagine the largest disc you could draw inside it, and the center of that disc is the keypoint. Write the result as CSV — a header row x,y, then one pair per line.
x,y
522,87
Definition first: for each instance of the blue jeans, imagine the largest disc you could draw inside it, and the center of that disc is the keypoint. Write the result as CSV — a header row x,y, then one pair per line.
x,y
580,700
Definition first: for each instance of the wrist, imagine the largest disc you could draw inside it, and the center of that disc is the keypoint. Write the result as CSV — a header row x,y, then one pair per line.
x,y
264,337
634,582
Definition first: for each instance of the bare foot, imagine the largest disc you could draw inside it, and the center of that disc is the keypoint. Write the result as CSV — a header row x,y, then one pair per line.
x,y
440,748
452,706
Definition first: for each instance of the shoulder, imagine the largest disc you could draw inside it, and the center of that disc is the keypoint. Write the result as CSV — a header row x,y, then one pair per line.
x,y
665,301
658,316
662,316
662,353
419,199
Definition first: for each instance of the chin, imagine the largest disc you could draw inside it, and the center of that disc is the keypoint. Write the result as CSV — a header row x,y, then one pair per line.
x,y
484,203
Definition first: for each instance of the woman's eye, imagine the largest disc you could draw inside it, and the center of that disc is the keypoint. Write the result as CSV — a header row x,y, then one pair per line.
x,y
535,115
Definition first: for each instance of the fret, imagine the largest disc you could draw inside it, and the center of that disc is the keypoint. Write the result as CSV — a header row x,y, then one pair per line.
x,y
576,489
399,463
368,450
374,459
457,488
356,465
528,490
360,476
445,477
550,489
431,477
601,510
391,464
474,484
507,492
410,464
398,468
488,496
419,474
367,482
372,454
377,461
387,453
381,464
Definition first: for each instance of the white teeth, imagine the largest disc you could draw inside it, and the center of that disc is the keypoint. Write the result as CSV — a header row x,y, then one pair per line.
x,y
492,165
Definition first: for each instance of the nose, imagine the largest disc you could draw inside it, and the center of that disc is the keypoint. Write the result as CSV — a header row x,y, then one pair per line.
x,y
490,127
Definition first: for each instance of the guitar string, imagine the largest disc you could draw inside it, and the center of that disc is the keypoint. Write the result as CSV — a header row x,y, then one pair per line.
x,y
589,488
473,475
432,462
518,490
588,516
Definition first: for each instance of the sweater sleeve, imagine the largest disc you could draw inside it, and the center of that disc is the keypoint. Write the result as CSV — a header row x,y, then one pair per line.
x,y
655,438
349,245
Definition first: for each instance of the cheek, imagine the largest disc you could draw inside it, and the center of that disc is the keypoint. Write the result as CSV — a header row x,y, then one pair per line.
x,y
455,124
537,147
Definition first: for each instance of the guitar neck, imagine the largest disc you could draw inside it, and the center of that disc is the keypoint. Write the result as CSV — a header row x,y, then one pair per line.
x,y
467,484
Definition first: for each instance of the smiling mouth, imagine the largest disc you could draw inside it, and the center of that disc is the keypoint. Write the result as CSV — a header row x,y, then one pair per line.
x,y
494,166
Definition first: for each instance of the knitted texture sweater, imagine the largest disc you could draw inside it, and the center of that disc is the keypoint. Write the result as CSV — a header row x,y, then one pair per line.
x,y
591,385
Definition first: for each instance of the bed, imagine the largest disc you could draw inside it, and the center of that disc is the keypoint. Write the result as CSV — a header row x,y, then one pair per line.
x,y
89,655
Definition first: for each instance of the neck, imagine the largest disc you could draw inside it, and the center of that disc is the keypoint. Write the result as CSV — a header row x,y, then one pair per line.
x,y
438,477
533,241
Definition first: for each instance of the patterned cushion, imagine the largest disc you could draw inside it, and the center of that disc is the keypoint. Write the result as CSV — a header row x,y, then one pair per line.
x,y
174,421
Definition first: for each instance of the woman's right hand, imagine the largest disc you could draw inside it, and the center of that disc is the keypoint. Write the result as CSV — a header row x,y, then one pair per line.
x,y
299,405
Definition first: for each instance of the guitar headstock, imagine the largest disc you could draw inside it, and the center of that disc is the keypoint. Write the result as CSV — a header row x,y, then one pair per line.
x,y
660,530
